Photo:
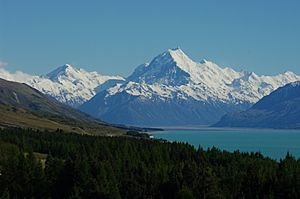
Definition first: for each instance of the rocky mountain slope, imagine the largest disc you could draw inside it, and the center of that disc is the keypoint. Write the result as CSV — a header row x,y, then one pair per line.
x,y
23,106
66,83
280,109
174,90
170,90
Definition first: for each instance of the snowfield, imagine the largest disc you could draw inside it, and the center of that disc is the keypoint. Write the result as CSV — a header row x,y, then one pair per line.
x,y
174,74
66,83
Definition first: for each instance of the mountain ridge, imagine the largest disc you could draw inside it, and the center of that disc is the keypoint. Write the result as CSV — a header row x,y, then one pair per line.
x,y
280,109
66,83
174,80
26,107
171,79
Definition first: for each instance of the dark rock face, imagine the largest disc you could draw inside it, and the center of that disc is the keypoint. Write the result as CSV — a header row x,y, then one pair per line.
x,y
280,109
124,108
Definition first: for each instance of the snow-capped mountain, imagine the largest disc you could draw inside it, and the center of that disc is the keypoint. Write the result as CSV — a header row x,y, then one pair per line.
x,y
170,90
66,83
174,90
280,109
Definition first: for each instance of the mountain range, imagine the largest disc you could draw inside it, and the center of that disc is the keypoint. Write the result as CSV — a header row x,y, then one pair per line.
x,y
280,109
171,90
67,84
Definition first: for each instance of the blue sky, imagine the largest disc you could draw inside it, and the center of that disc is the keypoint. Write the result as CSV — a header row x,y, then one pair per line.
x,y
113,37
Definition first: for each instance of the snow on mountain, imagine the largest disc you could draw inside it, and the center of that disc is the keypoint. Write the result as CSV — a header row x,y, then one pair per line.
x,y
173,78
173,72
66,83
170,90
280,109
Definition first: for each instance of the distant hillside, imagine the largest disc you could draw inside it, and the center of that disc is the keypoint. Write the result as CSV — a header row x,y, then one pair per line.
x,y
280,109
23,106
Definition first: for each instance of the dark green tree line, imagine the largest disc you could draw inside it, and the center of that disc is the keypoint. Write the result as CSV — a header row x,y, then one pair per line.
x,y
36,164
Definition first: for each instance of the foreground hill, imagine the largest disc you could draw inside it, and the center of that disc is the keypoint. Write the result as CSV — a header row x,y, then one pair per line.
x,y
23,106
174,90
280,109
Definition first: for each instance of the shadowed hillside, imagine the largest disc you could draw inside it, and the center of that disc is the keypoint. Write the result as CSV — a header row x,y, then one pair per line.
x,y
23,106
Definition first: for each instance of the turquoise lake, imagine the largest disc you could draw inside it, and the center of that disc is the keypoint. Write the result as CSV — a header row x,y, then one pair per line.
x,y
271,143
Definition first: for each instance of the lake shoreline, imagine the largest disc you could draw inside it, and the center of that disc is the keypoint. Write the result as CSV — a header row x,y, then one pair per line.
x,y
208,128
274,143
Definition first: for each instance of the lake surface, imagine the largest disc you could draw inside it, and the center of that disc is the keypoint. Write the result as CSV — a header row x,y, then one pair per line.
x,y
272,143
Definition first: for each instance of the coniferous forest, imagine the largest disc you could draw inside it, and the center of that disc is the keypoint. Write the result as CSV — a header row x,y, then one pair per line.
x,y
36,164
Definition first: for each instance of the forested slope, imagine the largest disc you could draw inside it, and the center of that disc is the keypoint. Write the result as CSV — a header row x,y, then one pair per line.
x,y
57,165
